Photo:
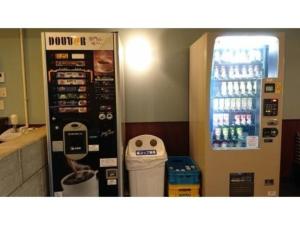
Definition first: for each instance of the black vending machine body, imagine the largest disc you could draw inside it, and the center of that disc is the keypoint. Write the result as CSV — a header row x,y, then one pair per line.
x,y
81,78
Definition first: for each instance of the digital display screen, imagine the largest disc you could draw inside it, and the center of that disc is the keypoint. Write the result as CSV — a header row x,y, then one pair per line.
x,y
269,88
75,142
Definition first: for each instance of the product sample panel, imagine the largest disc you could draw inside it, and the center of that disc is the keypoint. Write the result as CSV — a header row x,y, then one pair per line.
x,y
239,65
82,113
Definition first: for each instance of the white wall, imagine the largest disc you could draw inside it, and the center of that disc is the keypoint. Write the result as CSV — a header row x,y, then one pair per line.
x,y
160,93
10,64
291,104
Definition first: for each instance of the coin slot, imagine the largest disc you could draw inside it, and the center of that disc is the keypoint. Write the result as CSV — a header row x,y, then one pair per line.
x,y
268,140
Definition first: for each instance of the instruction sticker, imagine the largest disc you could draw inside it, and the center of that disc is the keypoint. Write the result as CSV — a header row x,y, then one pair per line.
x,y
108,162
57,146
112,182
252,141
93,148
271,193
77,56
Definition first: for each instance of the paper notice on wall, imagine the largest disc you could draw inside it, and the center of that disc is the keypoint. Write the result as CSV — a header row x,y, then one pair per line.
x,y
252,141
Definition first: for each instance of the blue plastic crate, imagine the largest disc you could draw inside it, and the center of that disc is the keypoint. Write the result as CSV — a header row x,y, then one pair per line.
x,y
182,170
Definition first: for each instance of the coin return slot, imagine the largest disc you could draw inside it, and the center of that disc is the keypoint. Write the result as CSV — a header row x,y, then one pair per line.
x,y
269,182
272,122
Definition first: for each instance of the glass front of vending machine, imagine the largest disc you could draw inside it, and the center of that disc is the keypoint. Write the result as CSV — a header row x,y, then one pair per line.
x,y
239,66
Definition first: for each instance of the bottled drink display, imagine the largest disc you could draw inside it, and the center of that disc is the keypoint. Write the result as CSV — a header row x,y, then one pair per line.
x,y
235,95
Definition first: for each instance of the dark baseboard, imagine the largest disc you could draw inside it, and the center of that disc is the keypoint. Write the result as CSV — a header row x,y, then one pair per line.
x,y
289,129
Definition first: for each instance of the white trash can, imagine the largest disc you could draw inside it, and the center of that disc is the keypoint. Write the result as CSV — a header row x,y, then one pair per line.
x,y
145,160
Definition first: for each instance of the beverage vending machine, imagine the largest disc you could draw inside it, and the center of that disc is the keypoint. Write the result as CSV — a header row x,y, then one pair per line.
x,y
235,112
83,99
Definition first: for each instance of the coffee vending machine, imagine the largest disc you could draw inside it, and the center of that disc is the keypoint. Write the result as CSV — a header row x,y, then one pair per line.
x,y
83,86
235,112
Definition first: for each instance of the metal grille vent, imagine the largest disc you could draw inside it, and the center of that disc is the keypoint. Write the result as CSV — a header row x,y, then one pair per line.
x,y
297,149
241,184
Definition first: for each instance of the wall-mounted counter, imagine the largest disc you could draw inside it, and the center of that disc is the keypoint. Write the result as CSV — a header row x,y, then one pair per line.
x,y
23,165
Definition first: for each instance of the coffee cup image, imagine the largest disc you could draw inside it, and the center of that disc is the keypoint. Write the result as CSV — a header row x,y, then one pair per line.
x,y
83,183
103,61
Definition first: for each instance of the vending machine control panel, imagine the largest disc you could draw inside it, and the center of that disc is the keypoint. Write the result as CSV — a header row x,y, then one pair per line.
x,y
270,132
270,107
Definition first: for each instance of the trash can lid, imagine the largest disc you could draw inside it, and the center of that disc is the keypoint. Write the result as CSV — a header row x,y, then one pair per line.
x,y
146,146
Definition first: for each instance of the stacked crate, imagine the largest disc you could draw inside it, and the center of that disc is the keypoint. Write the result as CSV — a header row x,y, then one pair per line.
x,y
183,177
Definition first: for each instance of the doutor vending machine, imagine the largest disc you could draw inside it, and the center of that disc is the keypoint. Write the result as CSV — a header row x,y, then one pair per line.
x,y
84,113
235,112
